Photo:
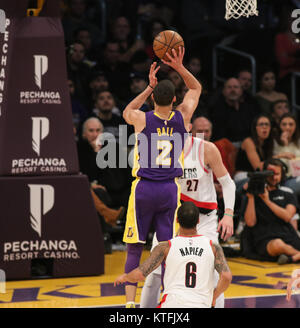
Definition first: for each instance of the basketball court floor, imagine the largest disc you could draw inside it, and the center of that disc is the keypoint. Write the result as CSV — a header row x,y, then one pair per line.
x,y
254,285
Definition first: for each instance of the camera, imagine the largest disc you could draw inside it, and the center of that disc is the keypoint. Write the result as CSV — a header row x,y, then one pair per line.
x,y
257,182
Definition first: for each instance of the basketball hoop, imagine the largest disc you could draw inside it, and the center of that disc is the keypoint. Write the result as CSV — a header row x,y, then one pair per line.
x,y
237,8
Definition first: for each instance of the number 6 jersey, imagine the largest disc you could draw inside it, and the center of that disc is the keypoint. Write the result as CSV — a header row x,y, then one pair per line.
x,y
189,273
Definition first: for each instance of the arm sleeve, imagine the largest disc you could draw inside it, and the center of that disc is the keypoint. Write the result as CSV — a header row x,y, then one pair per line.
x,y
228,188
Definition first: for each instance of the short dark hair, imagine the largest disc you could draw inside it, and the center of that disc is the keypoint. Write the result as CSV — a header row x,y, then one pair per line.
x,y
280,101
164,92
277,162
188,215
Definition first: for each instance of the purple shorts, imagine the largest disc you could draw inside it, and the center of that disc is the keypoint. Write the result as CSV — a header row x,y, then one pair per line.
x,y
152,202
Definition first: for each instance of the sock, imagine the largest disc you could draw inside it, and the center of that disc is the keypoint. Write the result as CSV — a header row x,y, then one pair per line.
x,y
134,253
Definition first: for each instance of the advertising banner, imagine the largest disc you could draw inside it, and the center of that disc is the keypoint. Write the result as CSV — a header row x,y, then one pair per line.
x,y
49,218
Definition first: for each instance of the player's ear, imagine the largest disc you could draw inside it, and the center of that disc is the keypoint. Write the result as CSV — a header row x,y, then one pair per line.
x,y
152,97
174,99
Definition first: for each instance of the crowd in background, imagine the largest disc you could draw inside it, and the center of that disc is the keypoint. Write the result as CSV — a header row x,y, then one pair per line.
x,y
108,57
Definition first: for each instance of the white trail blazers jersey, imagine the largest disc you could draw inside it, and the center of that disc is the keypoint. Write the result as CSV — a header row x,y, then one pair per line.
x,y
189,272
197,181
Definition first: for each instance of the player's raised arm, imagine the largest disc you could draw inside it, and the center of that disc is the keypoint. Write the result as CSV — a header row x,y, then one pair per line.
x,y
191,98
156,257
131,113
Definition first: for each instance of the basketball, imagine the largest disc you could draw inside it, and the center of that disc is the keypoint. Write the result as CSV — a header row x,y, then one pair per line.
x,y
165,41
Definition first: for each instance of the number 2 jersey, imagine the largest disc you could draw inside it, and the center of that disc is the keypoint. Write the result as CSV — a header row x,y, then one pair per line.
x,y
158,153
189,272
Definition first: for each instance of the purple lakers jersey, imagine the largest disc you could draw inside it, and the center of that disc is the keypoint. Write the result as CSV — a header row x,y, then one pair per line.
x,y
159,147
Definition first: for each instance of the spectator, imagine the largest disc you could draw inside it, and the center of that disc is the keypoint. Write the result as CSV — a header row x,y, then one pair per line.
x,y
227,150
121,32
140,62
254,150
75,17
111,185
116,72
267,93
138,84
156,26
176,79
269,215
79,113
229,109
87,150
287,148
83,35
105,107
245,78
98,82
195,66
278,108
78,71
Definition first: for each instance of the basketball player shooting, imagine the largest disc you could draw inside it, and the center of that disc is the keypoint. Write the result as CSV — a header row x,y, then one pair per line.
x,y
155,193
197,186
190,261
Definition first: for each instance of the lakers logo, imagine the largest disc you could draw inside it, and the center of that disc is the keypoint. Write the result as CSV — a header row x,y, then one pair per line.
x,y
130,232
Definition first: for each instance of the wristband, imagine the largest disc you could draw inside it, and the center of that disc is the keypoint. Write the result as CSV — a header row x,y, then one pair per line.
x,y
151,87
229,214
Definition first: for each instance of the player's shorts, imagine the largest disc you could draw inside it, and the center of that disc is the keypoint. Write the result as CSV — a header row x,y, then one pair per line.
x,y
176,301
208,225
152,202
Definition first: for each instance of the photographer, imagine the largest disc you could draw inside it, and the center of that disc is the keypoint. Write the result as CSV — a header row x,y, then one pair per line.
x,y
269,215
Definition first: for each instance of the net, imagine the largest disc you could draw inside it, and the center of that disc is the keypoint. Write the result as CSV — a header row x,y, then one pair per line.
x,y
237,8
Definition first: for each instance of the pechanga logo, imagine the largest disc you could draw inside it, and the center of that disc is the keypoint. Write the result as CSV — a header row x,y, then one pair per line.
x,y
40,130
40,68
41,202
41,96
42,199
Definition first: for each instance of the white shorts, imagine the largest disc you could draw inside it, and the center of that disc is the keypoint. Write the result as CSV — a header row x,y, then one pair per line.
x,y
176,301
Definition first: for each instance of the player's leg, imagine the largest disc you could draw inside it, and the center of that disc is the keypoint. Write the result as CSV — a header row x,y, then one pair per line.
x,y
207,226
138,221
220,301
134,252
151,290
165,222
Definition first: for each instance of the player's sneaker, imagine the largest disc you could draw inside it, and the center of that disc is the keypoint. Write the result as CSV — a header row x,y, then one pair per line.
x,y
130,305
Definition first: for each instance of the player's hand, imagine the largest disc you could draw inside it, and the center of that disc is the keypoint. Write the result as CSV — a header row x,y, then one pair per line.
x,y
152,74
121,279
175,61
226,225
